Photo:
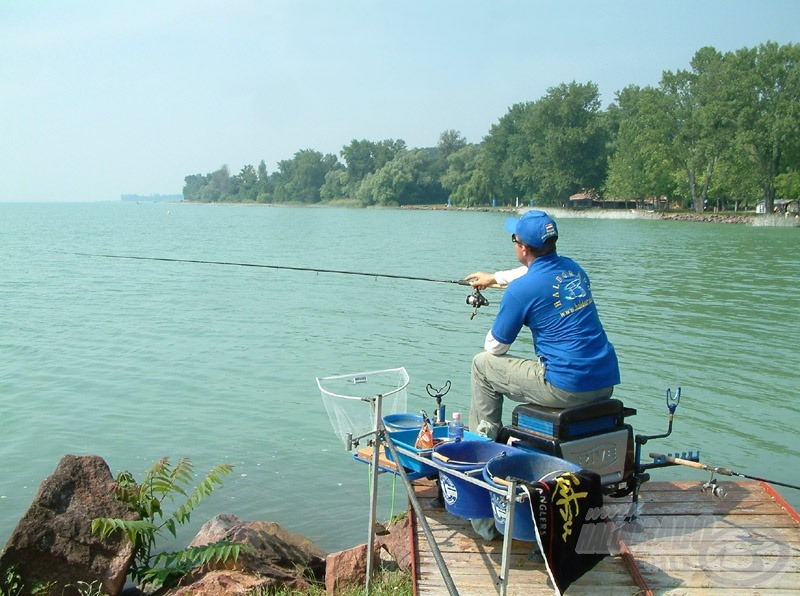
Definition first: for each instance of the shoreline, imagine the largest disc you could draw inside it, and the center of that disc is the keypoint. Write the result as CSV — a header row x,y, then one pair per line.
x,y
726,217
743,218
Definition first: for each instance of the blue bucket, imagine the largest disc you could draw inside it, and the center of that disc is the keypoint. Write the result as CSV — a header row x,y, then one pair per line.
x,y
461,497
402,421
529,467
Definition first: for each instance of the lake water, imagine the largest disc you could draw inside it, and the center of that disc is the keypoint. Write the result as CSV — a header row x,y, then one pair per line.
x,y
133,360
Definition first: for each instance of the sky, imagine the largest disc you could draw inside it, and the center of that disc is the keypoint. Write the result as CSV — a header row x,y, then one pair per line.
x,y
100,99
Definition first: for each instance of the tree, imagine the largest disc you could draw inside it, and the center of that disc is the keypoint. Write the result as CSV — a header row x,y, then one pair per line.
x,y
246,184
365,157
550,148
405,180
763,86
464,178
640,165
193,187
570,149
506,153
300,179
702,124
218,186
787,185
450,142
335,187
264,194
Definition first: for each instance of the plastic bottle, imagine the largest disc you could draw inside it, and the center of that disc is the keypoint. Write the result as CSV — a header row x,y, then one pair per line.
x,y
455,428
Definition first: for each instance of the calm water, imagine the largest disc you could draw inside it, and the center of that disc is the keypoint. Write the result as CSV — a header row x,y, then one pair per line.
x,y
135,360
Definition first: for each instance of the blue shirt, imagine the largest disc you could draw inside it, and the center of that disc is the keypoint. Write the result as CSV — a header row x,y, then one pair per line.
x,y
554,299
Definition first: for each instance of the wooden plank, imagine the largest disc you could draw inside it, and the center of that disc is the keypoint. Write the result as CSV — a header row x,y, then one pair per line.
x,y
689,493
670,563
754,581
609,573
688,543
366,454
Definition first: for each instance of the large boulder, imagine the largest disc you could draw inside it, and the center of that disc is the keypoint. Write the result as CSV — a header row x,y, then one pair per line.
x,y
348,568
53,543
276,558
397,543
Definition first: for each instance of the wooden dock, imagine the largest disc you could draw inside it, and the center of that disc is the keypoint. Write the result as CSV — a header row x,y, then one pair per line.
x,y
685,542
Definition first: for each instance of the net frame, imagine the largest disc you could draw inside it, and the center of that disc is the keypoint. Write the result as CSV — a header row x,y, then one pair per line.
x,y
350,399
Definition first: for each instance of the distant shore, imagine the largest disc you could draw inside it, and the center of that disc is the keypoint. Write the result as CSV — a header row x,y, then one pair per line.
x,y
671,216
725,217
712,217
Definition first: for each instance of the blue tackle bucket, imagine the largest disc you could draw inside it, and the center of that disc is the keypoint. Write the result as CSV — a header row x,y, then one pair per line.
x,y
528,467
402,421
461,497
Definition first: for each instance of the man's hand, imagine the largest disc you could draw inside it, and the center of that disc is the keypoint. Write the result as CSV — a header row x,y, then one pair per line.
x,y
481,280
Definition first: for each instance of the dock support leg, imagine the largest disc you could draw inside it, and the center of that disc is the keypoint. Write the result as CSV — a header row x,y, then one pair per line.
x,y
508,536
373,501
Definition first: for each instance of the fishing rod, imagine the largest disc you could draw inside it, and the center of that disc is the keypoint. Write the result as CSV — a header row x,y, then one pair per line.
x,y
714,470
476,299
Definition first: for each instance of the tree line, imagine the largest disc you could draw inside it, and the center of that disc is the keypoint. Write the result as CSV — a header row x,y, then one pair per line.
x,y
723,133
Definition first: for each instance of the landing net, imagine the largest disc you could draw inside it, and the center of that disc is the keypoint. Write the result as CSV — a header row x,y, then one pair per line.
x,y
349,399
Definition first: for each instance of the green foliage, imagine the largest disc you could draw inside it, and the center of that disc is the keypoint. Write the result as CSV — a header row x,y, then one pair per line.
x,y
89,589
722,131
164,482
787,185
11,582
300,179
384,583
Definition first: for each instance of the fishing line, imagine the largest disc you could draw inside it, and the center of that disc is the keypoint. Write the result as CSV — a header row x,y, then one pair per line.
x,y
460,282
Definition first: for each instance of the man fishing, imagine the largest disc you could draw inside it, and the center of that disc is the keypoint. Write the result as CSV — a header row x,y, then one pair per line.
x,y
573,362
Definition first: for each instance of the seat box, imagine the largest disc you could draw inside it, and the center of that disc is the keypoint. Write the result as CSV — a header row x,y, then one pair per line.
x,y
571,423
610,454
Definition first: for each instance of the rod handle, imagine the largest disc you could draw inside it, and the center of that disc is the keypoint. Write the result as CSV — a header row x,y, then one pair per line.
x,y
691,464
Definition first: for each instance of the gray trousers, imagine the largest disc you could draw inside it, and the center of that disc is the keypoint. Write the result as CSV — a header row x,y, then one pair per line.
x,y
521,380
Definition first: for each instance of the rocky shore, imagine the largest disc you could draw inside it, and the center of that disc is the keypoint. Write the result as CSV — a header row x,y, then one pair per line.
x,y
734,218
54,551
708,217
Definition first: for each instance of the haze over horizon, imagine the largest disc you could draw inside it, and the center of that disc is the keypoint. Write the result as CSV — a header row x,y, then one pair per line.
x,y
104,99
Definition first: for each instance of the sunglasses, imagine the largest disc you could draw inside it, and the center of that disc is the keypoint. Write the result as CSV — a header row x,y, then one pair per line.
x,y
515,240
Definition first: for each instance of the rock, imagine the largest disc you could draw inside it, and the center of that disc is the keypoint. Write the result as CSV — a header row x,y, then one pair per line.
x,y
278,558
222,582
53,543
347,568
398,542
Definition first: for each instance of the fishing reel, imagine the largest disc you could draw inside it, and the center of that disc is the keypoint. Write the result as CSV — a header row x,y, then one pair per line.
x,y
712,487
476,300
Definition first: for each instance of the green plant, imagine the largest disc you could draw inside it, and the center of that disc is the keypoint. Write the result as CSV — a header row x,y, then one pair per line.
x,y
165,482
43,589
385,583
11,582
89,589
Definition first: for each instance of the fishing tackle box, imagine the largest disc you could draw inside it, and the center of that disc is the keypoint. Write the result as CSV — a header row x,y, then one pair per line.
x,y
570,423
594,436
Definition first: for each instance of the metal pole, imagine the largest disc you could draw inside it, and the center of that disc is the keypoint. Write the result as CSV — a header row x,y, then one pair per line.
x,y
373,501
415,504
509,535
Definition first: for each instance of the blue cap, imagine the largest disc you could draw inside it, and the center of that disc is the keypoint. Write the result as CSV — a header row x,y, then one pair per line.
x,y
534,228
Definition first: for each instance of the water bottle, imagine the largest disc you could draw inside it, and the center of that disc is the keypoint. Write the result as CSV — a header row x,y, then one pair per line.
x,y
455,428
